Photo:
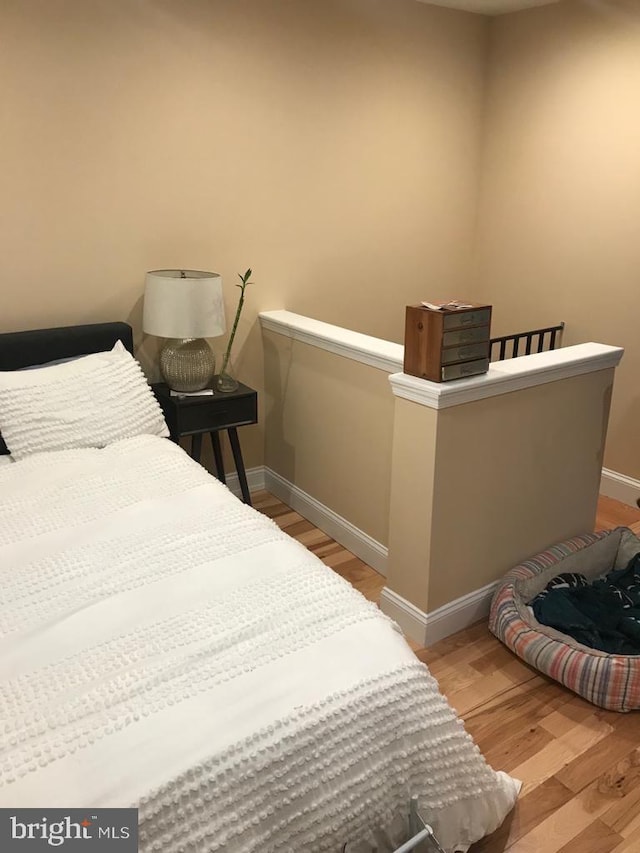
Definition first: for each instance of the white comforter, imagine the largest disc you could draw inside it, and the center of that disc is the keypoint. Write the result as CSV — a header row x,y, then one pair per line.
x,y
166,647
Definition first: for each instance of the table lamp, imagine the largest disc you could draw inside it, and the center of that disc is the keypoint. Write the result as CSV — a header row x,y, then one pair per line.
x,y
184,306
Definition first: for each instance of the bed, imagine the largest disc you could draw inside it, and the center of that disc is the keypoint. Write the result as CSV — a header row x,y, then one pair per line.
x,y
164,646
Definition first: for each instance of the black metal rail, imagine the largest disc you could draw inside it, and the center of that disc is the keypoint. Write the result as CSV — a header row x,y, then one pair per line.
x,y
547,339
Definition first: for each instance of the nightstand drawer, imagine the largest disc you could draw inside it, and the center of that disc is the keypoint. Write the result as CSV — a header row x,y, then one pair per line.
x,y
217,413
187,415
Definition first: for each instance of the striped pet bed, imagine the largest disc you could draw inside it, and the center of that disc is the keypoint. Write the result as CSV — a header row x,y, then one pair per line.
x,y
610,681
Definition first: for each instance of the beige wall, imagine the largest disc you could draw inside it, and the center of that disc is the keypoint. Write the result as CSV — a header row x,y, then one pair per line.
x,y
415,431
560,198
329,424
331,146
335,148
479,487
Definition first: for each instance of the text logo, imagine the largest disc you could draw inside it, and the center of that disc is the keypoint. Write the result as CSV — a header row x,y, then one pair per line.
x,y
73,830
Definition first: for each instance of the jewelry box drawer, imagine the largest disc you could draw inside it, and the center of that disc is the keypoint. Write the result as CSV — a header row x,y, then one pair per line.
x,y
465,336
467,318
464,369
465,353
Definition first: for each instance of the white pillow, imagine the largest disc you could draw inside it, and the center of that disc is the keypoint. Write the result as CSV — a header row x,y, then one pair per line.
x,y
90,402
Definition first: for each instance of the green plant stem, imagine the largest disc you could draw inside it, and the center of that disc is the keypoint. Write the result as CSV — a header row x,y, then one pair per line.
x,y
225,359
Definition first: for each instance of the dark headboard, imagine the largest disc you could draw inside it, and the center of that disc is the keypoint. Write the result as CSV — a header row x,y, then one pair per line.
x,y
38,346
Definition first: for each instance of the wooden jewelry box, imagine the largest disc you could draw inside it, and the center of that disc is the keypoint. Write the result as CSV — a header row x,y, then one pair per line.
x,y
447,343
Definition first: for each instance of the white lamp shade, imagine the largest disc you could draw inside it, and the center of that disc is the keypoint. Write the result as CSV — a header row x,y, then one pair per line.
x,y
183,304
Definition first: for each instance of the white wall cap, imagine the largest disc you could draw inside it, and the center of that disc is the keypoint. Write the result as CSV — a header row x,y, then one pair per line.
x,y
503,376
384,355
513,374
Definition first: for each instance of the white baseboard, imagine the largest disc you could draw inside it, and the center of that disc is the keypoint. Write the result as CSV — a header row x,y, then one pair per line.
x,y
410,618
255,480
348,535
459,614
620,487
427,628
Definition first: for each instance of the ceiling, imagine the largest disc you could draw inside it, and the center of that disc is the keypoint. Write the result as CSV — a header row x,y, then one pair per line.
x,y
489,7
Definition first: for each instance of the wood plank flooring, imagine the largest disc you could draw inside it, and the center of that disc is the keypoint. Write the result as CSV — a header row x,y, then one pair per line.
x,y
580,765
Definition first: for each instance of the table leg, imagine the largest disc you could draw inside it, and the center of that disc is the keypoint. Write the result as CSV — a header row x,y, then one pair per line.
x,y
196,446
237,458
217,455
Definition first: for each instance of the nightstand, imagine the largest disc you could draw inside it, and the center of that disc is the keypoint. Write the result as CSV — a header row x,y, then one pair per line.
x,y
197,415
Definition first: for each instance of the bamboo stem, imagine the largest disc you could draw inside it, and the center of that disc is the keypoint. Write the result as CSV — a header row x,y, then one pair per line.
x,y
245,281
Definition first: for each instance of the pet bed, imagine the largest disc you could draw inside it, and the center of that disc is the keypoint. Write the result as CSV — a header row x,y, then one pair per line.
x,y
610,681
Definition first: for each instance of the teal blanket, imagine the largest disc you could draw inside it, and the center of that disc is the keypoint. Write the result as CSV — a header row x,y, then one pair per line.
x,y
604,615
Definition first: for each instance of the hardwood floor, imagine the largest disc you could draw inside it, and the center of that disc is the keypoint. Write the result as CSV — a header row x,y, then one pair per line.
x,y
580,765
